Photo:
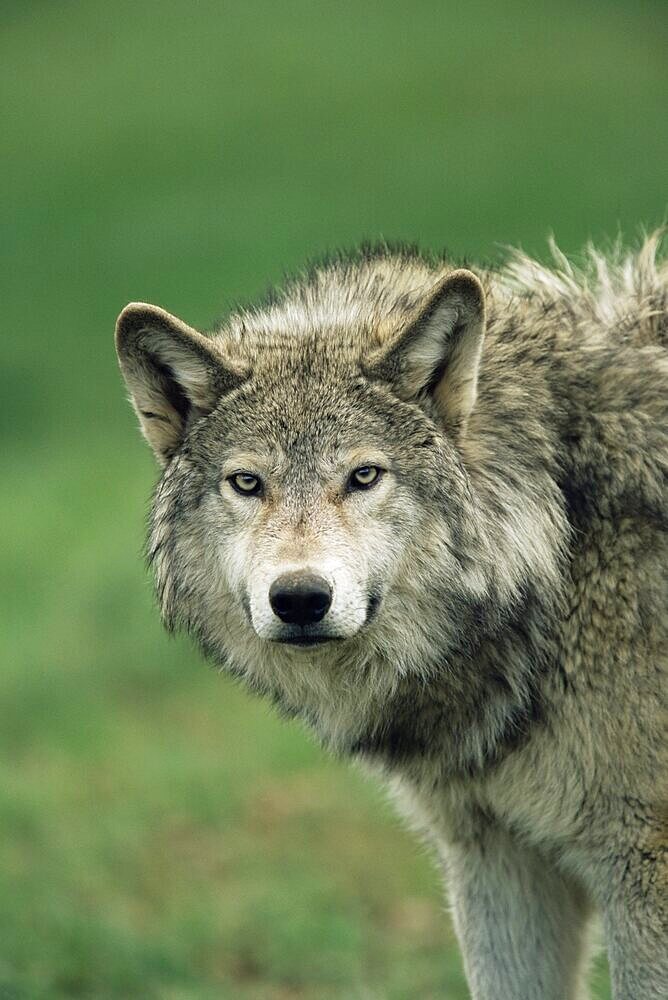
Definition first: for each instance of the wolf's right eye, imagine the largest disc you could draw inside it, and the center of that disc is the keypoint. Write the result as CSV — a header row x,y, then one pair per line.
x,y
245,483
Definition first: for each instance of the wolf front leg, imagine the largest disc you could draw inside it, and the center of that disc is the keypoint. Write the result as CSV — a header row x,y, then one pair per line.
x,y
521,925
635,908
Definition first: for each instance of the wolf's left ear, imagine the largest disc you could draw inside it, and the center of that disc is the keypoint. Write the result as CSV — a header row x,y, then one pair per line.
x,y
438,352
173,373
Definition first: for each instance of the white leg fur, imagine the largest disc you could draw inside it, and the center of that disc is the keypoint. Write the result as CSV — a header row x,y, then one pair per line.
x,y
520,923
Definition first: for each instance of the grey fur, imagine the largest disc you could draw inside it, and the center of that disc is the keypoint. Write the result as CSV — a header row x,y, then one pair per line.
x,y
497,638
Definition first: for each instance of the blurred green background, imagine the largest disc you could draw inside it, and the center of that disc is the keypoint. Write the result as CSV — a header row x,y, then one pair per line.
x,y
162,835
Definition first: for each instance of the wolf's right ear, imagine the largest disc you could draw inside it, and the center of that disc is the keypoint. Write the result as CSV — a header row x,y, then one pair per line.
x,y
172,372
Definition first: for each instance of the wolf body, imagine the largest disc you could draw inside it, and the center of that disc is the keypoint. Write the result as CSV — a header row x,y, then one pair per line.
x,y
424,509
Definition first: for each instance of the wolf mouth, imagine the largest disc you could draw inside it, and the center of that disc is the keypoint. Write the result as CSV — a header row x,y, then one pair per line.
x,y
307,640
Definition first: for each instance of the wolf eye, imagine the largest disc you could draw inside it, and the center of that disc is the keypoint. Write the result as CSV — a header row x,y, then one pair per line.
x,y
245,483
364,477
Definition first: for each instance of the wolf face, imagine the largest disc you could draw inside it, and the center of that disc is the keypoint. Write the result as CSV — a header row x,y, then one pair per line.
x,y
308,509
312,476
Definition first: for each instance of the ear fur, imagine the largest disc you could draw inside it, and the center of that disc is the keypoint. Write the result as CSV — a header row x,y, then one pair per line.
x,y
438,352
172,371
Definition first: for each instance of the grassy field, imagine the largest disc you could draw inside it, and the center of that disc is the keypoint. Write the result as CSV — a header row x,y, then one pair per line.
x,y
161,835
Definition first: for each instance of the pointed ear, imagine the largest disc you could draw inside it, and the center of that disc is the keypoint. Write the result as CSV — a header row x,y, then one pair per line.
x,y
438,352
173,374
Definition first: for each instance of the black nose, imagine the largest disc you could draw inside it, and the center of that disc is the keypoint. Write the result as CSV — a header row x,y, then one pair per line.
x,y
300,598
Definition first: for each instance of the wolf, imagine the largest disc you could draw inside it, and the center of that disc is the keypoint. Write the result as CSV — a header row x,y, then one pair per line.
x,y
422,507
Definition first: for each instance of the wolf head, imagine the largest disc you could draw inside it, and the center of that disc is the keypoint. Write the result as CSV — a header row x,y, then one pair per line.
x,y
315,525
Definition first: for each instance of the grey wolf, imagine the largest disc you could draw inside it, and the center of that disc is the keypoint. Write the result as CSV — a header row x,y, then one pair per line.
x,y
423,508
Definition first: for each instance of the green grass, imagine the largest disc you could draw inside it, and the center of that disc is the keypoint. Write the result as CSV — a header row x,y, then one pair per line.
x,y
162,835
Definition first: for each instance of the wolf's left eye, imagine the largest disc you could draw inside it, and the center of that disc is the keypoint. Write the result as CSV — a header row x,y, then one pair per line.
x,y
364,477
245,483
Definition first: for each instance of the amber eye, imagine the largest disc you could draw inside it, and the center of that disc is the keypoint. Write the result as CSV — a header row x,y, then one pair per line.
x,y
364,477
245,483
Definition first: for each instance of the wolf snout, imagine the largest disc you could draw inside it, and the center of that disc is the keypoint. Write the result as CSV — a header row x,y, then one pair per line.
x,y
300,598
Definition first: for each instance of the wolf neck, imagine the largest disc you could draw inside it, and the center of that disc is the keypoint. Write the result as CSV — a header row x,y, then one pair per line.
x,y
478,708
